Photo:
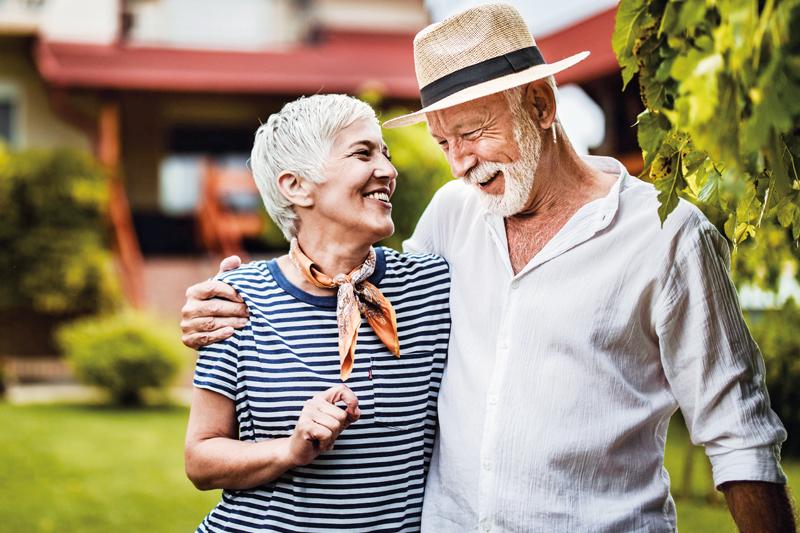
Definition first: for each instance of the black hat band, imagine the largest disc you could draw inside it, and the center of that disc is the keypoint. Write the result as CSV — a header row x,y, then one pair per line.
x,y
488,70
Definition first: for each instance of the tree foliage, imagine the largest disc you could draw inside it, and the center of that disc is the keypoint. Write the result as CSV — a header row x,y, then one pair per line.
x,y
421,171
721,83
55,258
776,333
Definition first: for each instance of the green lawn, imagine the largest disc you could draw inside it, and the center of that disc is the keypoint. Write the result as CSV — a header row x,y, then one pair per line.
x,y
88,469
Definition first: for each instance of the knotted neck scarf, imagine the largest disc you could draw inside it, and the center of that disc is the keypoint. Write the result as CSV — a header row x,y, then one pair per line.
x,y
355,296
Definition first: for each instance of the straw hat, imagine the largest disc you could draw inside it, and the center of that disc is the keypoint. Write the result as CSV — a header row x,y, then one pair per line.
x,y
481,51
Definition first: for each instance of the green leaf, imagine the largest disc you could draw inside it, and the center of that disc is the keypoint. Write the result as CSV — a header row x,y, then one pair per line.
x,y
669,181
692,14
653,127
788,210
730,226
710,194
743,231
632,16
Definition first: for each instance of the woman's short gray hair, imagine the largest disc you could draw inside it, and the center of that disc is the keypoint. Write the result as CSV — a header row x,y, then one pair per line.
x,y
298,139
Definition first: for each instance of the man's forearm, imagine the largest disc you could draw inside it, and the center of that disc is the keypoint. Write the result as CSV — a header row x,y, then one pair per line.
x,y
760,507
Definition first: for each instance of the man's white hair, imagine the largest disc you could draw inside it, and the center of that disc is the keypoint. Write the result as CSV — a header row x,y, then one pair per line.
x,y
515,94
298,139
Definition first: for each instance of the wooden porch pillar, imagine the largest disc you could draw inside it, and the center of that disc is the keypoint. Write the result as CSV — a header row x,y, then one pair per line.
x,y
125,245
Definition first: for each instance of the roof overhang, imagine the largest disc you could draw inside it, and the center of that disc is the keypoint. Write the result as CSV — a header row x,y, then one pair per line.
x,y
339,63
593,34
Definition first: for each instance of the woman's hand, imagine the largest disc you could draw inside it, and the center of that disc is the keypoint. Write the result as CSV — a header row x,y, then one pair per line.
x,y
217,459
321,422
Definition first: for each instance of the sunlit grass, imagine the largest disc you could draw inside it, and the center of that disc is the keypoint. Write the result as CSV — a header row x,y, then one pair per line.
x,y
704,509
92,469
95,469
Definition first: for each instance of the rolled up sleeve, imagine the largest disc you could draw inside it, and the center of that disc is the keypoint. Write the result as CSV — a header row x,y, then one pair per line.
x,y
713,366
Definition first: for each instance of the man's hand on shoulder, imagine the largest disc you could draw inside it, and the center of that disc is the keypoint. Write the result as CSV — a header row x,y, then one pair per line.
x,y
760,507
213,309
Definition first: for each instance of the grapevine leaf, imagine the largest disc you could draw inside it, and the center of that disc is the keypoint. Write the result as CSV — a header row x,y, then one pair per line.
x,y
710,194
669,181
669,22
693,160
796,226
776,101
632,15
730,226
653,127
743,231
692,14
788,210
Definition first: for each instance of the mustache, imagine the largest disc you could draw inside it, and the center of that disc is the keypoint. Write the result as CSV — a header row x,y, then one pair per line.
x,y
482,172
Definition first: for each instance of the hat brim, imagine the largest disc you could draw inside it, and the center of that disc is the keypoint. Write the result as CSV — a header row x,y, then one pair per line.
x,y
488,87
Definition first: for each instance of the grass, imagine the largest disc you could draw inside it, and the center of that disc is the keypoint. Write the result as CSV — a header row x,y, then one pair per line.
x,y
96,469
704,509
92,469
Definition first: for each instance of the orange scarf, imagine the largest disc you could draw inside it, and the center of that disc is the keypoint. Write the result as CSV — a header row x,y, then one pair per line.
x,y
356,295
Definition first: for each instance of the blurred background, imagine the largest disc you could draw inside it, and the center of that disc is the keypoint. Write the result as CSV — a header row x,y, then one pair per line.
x,y
125,127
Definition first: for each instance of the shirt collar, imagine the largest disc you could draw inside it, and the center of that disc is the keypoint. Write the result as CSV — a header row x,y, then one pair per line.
x,y
588,221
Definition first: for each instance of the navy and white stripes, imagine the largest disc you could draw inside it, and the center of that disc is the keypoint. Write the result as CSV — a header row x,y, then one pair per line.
x,y
373,480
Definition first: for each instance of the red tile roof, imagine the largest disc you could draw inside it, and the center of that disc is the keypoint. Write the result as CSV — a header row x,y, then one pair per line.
x,y
340,63
593,34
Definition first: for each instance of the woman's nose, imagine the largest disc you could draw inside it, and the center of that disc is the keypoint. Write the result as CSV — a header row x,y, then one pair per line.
x,y
385,169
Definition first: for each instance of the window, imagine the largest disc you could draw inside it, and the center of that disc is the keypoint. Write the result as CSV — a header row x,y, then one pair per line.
x,y
10,114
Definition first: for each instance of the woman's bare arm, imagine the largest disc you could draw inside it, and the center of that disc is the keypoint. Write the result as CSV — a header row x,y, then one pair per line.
x,y
217,459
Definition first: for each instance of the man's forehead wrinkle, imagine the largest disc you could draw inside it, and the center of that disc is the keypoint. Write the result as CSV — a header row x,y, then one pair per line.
x,y
458,122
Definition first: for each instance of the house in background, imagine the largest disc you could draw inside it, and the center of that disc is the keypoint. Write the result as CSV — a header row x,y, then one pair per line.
x,y
157,89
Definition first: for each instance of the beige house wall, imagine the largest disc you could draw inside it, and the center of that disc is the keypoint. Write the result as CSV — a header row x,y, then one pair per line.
x,y
39,126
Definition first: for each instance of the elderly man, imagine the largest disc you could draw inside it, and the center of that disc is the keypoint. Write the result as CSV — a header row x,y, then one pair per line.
x,y
579,324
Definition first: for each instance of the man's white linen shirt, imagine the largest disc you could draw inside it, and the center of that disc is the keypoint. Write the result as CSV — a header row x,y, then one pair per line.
x,y
561,380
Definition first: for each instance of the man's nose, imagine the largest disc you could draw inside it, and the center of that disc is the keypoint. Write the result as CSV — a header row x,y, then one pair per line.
x,y
461,160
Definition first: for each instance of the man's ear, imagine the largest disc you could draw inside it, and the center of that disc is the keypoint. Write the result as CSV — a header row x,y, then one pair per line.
x,y
295,189
540,102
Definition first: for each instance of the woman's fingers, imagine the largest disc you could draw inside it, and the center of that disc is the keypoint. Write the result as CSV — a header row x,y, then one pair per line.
x,y
321,422
342,393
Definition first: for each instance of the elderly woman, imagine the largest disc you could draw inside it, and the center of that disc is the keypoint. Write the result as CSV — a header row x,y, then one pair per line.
x,y
271,422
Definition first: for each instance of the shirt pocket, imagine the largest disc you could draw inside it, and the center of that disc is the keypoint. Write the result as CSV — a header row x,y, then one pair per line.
x,y
401,387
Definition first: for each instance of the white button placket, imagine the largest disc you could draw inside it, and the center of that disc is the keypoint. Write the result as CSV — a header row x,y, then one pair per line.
x,y
491,433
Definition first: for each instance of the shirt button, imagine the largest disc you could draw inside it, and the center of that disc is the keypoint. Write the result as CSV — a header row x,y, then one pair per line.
x,y
504,344
515,284
487,464
487,526
492,399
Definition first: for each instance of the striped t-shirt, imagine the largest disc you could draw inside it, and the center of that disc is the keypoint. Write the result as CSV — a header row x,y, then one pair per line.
x,y
373,479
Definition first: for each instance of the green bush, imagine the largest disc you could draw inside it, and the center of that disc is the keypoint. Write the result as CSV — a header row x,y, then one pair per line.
x,y
421,171
55,257
123,354
777,332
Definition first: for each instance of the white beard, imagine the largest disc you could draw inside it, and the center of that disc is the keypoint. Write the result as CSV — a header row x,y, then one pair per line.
x,y
518,176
